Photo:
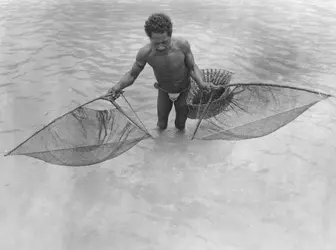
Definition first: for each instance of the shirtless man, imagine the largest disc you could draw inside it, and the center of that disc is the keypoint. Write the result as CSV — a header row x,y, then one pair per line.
x,y
173,64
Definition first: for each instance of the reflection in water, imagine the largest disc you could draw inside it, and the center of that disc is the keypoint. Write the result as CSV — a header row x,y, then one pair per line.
x,y
168,193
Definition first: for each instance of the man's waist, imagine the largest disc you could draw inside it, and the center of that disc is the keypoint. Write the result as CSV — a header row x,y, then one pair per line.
x,y
173,88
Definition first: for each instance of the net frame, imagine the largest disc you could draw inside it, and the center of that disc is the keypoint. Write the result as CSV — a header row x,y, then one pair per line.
x,y
75,113
285,116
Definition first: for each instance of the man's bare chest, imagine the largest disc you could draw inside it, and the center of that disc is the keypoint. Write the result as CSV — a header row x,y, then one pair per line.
x,y
167,61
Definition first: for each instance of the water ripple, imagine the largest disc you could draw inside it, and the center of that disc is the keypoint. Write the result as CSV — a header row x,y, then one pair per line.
x,y
56,54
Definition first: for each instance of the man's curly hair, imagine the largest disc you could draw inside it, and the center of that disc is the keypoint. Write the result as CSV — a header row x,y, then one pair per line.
x,y
158,23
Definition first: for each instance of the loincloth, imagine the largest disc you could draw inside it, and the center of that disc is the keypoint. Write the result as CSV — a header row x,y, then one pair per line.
x,y
172,96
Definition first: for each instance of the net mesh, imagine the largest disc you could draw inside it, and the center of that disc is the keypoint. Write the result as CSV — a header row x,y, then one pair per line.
x,y
252,110
83,137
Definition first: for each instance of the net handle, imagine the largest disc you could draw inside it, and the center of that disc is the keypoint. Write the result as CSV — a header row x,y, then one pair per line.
x,y
280,86
108,97
203,114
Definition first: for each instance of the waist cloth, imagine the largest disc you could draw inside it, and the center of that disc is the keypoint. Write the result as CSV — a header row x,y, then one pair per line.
x,y
172,96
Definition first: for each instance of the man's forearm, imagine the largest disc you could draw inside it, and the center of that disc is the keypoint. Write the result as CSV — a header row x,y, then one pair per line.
x,y
125,81
196,74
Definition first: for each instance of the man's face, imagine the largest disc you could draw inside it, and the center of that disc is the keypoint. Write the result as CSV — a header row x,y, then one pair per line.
x,y
160,41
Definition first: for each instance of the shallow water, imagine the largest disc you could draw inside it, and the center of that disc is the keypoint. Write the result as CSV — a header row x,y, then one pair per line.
x,y
274,192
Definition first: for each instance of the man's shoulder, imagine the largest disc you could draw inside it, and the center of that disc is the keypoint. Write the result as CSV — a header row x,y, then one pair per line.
x,y
182,43
144,52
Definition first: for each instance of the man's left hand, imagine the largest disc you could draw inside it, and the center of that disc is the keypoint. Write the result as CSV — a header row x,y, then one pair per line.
x,y
210,86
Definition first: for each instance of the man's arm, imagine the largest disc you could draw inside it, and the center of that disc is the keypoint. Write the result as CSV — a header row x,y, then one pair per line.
x,y
195,72
130,76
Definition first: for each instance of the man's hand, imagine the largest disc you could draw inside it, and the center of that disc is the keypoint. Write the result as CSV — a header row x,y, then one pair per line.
x,y
113,92
216,87
209,86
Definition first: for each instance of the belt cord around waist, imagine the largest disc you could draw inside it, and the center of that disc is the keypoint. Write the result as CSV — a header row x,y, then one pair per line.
x,y
157,86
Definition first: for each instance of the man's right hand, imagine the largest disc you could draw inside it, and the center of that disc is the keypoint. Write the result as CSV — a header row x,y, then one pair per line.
x,y
113,92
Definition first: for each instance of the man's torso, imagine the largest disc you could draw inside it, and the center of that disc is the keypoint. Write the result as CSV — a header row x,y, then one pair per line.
x,y
169,67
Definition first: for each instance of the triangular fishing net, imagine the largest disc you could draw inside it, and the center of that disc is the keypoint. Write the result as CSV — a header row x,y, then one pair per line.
x,y
251,110
84,136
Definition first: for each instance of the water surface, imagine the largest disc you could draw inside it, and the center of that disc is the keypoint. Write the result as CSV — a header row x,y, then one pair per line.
x,y
274,192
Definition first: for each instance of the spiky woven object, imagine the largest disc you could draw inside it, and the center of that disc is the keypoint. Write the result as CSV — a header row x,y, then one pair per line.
x,y
197,99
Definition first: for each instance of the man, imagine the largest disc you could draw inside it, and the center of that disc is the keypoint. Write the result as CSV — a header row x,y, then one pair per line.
x,y
173,63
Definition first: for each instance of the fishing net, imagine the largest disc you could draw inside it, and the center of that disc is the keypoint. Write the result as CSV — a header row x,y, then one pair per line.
x,y
252,110
84,136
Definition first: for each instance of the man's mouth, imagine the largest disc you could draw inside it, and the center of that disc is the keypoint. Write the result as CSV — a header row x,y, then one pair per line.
x,y
161,48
